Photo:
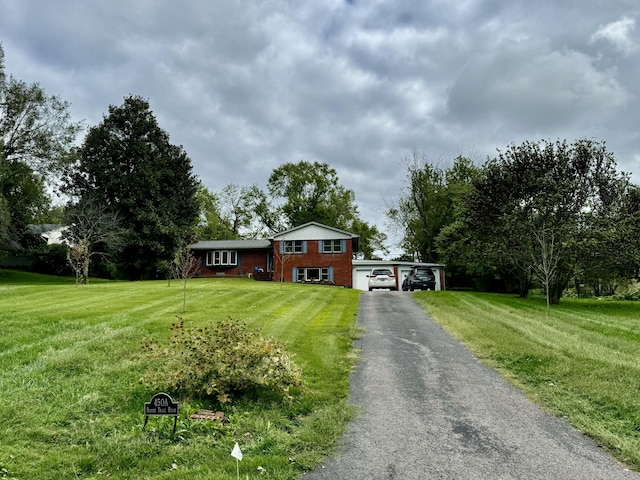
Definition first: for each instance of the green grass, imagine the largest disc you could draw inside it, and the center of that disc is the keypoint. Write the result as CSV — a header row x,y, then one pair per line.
x,y
579,360
72,399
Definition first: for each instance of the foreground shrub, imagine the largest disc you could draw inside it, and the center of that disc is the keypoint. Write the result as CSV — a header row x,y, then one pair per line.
x,y
221,361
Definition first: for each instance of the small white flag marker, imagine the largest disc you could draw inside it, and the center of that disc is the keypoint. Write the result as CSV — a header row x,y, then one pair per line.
x,y
236,452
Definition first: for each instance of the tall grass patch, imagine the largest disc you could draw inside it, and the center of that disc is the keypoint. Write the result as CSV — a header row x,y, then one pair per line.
x,y
579,360
72,364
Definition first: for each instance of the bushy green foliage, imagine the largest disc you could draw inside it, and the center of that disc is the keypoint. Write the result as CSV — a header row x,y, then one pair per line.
x,y
222,361
50,259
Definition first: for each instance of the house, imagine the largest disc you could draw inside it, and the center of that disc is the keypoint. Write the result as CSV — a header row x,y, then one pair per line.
x,y
312,253
234,258
49,233
41,234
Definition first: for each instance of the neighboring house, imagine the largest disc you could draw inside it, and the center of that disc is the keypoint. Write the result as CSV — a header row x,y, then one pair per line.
x,y
47,234
50,233
311,252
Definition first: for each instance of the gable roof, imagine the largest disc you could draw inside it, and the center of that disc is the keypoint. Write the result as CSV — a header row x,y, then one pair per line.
x,y
316,228
308,231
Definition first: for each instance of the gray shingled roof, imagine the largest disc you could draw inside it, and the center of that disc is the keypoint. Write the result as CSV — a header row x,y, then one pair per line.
x,y
232,245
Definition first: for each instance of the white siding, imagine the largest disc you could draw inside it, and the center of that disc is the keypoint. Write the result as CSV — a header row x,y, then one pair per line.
x,y
360,279
314,232
361,269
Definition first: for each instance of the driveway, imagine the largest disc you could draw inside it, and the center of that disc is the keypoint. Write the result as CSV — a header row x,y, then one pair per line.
x,y
430,410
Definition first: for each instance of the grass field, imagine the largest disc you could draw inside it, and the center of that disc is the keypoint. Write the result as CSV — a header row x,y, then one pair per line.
x,y
72,400
579,360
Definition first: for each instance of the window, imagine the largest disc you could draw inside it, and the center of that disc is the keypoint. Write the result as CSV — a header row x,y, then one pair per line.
x,y
313,275
293,246
222,257
332,246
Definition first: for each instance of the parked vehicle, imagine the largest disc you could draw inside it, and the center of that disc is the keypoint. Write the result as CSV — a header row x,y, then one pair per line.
x,y
421,278
382,278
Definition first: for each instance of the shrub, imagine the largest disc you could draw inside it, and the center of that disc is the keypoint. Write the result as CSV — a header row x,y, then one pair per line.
x,y
221,361
50,259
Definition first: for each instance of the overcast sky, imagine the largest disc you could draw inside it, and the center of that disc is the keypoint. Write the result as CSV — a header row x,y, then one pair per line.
x,y
245,86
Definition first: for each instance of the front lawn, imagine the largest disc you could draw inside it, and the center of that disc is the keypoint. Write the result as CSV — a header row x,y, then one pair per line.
x,y
71,364
579,360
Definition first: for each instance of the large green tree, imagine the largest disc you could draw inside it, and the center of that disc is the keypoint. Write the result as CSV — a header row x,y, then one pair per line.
x,y
536,206
128,164
36,135
310,191
429,203
211,224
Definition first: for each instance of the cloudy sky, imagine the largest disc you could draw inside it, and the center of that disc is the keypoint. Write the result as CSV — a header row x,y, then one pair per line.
x,y
246,85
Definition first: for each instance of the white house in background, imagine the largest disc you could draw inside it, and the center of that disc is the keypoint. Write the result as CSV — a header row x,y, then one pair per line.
x,y
49,232
362,268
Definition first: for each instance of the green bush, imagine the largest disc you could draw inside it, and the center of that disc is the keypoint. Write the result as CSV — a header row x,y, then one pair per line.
x,y
50,259
221,361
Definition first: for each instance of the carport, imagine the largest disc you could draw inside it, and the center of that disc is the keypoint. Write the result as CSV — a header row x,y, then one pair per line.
x,y
362,268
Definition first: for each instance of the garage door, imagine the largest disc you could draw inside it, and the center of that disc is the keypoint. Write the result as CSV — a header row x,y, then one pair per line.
x,y
361,281
402,273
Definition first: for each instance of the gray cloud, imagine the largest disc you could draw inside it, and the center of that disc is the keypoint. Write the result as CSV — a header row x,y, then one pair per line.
x,y
246,86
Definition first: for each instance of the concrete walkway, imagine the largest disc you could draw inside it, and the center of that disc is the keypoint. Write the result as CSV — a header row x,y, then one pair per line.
x,y
430,410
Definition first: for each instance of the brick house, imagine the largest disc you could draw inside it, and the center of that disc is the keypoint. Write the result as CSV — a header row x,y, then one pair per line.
x,y
312,253
233,258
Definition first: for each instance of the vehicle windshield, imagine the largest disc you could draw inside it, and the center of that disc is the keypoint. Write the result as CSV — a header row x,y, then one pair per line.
x,y
423,272
381,272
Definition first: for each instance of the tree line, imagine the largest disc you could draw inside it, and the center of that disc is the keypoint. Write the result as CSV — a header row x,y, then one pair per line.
x,y
547,214
135,202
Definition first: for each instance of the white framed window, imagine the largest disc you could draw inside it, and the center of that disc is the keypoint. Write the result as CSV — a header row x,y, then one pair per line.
x,y
313,274
332,246
222,257
293,246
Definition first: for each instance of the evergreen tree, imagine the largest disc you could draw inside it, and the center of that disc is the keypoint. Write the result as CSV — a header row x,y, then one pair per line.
x,y
128,164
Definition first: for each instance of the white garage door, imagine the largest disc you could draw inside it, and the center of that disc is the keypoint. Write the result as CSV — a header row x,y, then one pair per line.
x,y
361,281
402,273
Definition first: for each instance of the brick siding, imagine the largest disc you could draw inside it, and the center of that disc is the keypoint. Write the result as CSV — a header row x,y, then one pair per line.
x,y
341,262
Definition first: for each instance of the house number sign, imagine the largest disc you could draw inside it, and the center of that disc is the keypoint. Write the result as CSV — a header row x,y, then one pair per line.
x,y
161,405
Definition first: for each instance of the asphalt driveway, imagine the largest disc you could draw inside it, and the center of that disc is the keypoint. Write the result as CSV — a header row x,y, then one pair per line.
x,y
430,410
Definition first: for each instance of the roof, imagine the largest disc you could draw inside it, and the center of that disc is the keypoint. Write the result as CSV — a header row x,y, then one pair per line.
x,y
385,263
51,232
232,245
308,231
315,226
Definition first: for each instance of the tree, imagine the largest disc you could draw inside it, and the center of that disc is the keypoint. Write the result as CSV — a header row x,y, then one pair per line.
x,y
211,224
90,226
429,203
184,267
311,192
627,238
371,240
611,256
304,192
281,258
36,136
536,204
238,204
128,163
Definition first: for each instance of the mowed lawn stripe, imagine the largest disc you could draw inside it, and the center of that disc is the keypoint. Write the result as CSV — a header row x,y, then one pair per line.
x,y
72,359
